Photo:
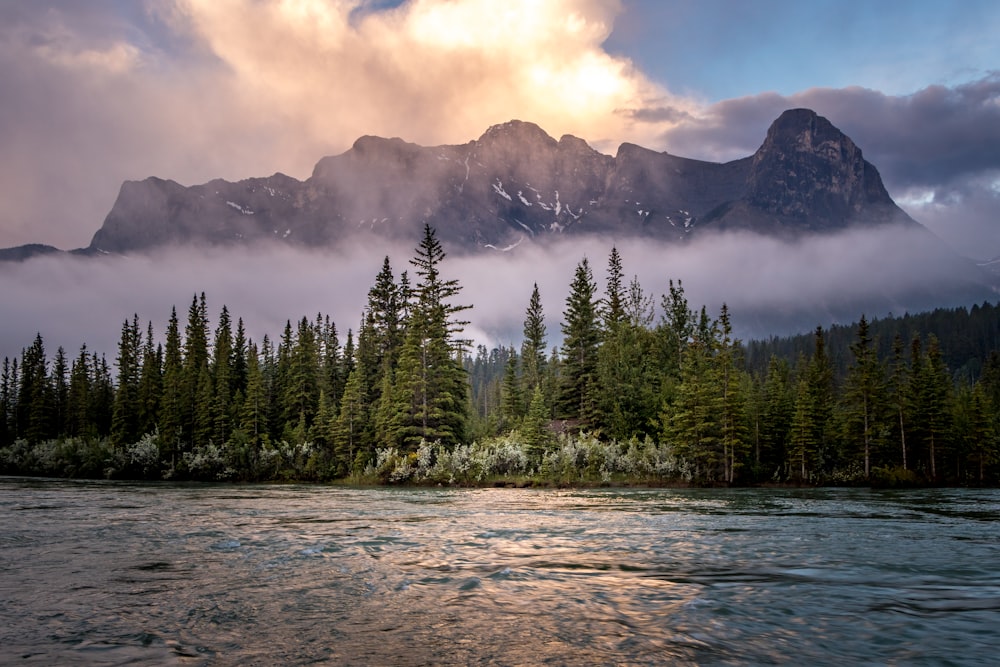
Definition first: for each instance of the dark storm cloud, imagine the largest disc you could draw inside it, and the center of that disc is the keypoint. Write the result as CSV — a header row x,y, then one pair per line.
x,y
934,136
938,150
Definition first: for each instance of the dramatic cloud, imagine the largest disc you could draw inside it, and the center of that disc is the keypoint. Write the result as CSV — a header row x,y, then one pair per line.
x,y
199,89
938,150
771,286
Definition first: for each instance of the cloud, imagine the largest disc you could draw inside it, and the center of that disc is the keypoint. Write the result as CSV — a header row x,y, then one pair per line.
x,y
771,286
940,144
101,92
191,90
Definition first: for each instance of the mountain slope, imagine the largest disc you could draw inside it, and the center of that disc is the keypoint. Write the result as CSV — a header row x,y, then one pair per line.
x,y
516,182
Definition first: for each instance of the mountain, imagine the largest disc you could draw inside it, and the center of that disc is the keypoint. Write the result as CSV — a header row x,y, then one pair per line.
x,y
515,183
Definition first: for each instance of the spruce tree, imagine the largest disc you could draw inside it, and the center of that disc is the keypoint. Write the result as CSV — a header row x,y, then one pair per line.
x,y
350,424
900,396
581,339
865,384
60,394
727,370
779,409
78,400
222,379
533,347
173,399
125,418
34,403
7,394
195,361
613,304
430,392
150,388
511,402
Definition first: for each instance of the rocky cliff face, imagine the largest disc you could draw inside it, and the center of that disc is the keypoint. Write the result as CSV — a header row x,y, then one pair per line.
x,y
516,183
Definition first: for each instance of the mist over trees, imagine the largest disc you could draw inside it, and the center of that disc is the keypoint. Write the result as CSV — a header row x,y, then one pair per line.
x,y
640,390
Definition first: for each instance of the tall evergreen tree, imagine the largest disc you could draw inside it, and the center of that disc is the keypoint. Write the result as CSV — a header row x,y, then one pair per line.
x,y
512,408
899,382
613,305
33,412
779,409
125,416
731,402
79,421
195,361
933,404
350,425
865,388
581,339
222,379
60,394
8,392
173,398
430,393
533,346
150,388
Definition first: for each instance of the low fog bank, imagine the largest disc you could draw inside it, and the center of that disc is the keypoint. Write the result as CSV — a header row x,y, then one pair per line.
x,y
772,287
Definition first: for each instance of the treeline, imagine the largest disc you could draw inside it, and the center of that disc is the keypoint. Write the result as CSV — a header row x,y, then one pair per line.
x,y
640,390
966,336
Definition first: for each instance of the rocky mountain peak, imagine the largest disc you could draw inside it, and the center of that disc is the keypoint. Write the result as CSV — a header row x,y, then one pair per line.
x,y
516,132
513,183
810,172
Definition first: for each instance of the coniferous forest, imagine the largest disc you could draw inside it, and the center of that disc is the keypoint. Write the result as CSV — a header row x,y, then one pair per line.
x,y
643,389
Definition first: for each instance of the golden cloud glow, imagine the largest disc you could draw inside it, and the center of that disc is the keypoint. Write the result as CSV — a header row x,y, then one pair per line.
x,y
431,71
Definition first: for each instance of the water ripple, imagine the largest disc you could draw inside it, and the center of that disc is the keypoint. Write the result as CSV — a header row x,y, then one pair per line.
x,y
109,574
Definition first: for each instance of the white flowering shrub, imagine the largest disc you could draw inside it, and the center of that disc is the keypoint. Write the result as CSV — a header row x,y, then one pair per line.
x,y
144,456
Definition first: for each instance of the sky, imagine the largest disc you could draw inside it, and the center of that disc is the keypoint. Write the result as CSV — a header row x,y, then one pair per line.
x,y
103,91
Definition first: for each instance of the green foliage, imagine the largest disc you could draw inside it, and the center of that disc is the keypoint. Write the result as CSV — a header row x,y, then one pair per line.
x,y
678,402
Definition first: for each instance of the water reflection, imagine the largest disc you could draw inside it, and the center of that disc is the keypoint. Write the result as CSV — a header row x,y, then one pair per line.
x,y
108,573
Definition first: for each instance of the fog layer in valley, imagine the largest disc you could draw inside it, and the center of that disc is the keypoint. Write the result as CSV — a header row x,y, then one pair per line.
x,y
771,286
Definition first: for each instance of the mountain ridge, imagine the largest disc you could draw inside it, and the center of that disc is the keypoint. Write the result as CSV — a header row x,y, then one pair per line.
x,y
515,182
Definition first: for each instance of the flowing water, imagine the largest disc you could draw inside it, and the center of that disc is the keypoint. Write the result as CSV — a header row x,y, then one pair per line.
x,y
108,573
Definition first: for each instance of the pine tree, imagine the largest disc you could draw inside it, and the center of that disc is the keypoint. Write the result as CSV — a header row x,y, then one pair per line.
x,y
60,394
8,391
536,437
511,403
581,339
865,386
727,370
820,385
900,394
238,360
150,387
125,417
430,393
779,409
34,403
173,399
933,403
613,304
253,412
222,379
195,361
980,442
78,416
102,397
692,423
533,347
350,424
676,328
802,441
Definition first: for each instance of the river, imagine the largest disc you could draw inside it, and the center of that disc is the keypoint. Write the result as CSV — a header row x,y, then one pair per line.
x,y
110,573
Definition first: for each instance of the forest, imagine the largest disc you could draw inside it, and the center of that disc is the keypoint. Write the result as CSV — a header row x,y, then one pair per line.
x,y
639,391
